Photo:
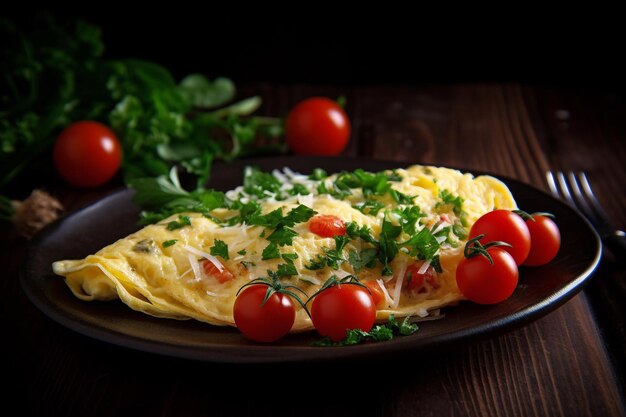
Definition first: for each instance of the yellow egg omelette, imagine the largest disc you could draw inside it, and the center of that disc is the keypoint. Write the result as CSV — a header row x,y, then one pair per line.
x,y
401,230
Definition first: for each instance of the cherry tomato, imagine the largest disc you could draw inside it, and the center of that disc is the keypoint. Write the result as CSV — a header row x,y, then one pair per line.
x,y
211,270
420,283
483,283
375,291
317,126
87,154
326,225
263,322
342,307
545,240
505,226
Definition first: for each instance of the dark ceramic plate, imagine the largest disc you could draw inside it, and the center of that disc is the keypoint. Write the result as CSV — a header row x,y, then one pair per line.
x,y
540,291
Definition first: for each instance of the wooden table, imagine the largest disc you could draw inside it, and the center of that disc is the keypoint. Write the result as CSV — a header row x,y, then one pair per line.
x,y
568,363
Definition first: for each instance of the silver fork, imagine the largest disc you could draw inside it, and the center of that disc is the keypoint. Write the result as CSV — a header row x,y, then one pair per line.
x,y
574,188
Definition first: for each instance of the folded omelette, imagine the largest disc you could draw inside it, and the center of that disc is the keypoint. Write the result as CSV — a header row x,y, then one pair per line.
x,y
405,232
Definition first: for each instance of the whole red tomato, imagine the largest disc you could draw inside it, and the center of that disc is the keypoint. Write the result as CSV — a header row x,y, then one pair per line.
x,y
483,283
545,240
505,226
263,321
343,307
87,154
317,126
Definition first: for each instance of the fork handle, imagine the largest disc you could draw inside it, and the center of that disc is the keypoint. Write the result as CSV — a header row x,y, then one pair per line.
x,y
616,243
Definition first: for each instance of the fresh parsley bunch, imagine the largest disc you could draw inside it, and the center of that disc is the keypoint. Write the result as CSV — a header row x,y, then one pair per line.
x,y
54,75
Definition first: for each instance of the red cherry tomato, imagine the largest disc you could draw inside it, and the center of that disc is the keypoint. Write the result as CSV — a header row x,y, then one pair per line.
x,y
87,154
483,283
420,283
545,240
375,291
343,307
505,226
317,126
211,270
263,322
326,225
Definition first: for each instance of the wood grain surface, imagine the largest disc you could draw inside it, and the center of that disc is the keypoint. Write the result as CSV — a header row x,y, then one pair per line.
x,y
568,363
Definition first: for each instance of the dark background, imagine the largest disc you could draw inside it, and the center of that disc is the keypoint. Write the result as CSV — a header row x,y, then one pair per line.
x,y
316,43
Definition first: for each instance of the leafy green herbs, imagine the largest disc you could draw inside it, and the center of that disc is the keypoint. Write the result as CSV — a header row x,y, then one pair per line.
x,y
55,75
169,243
379,333
180,223
331,257
220,248
454,203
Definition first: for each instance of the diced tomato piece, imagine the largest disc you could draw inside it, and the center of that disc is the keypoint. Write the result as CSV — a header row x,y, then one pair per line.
x,y
326,225
211,270
420,283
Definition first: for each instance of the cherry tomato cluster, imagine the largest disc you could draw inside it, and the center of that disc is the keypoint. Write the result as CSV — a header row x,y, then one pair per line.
x,y
499,242
340,305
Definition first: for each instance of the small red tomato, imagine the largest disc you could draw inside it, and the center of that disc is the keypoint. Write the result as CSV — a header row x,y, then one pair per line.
x,y
326,225
343,307
87,154
483,283
317,126
263,321
505,226
375,291
545,240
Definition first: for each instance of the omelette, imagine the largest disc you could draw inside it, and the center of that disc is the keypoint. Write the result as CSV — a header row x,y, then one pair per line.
x,y
405,230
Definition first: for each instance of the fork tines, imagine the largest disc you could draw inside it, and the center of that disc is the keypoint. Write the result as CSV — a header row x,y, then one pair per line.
x,y
575,189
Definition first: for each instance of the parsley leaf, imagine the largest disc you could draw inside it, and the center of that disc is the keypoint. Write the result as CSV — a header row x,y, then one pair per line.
x,y
367,258
371,207
270,252
298,214
423,244
282,236
388,247
364,232
220,249
257,182
286,270
331,257
379,333
182,222
169,243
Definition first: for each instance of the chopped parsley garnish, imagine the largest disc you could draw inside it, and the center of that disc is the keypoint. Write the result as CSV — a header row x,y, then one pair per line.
x,y
354,231
270,252
423,244
259,183
365,258
448,199
318,174
331,257
242,252
282,236
219,248
371,207
288,269
379,333
182,222
298,189
169,243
